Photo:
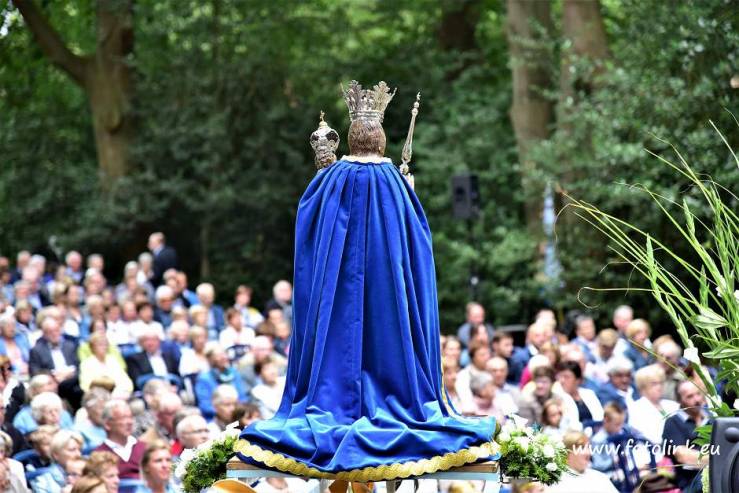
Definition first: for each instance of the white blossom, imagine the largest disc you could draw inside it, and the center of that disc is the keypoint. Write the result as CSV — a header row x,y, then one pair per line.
x,y
551,467
503,437
187,455
548,451
523,443
205,445
180,470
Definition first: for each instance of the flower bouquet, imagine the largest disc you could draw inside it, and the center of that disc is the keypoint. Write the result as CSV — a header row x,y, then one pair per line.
x,y
527,452
199,468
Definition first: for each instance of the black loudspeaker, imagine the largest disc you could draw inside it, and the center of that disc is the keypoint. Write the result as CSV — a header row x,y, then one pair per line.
x,y
465,197
724,458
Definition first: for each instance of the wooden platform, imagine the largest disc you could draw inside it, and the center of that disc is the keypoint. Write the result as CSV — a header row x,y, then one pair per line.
x,y
480,471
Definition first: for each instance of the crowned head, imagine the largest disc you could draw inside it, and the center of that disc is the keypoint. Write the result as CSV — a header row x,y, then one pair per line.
x,y
366,111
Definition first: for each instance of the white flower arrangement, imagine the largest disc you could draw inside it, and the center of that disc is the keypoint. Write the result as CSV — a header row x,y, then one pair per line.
x,y
526,452
201,467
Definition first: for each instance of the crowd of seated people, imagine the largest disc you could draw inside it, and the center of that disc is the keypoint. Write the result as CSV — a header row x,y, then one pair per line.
x,y
104,385
633,403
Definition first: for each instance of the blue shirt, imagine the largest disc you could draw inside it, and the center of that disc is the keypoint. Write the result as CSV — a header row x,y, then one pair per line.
x,y
50,482
207,382
93,435
25,423
680,430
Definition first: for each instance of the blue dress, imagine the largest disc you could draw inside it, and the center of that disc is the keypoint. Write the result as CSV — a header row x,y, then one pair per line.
x,y
364,398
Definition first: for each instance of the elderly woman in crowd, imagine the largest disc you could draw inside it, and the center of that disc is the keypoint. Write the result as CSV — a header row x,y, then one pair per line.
x,y
648,413
102,363
45,409
179,333
99,325
93,310
104,465
221,372
637,333
479,356
66,446
484,390
156,469
193,359
15,345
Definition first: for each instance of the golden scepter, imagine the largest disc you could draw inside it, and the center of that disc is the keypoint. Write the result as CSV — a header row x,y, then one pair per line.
x,y
408,146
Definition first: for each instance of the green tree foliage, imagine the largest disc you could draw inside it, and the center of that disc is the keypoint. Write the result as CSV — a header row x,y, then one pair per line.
x,y
227,93
670,75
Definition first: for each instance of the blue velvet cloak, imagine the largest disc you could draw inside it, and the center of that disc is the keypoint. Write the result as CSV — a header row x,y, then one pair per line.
x,y
364,397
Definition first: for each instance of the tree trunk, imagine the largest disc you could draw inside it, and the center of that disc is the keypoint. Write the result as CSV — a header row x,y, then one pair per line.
x,y
457,33
582,64
583,29
458,25
104,75
529,26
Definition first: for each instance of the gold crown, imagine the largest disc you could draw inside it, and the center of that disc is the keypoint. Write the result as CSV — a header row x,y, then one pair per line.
x,y
367,104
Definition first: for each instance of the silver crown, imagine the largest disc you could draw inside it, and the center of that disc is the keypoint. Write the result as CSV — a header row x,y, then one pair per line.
x,y
367,104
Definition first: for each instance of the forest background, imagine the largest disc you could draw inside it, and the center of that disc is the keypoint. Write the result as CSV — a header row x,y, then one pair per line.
x,y
119,118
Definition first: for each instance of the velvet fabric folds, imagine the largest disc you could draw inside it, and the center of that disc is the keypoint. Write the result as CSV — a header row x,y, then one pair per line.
x,y
364,397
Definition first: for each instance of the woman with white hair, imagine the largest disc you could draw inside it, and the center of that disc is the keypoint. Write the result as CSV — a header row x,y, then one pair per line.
x,y
46,409
24,420
66,447
648,413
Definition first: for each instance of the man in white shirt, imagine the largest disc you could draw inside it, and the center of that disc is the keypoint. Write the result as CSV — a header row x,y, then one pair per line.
x,y
580,477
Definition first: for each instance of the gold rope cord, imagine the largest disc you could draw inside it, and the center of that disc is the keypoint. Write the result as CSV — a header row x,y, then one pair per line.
x,y
378,473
